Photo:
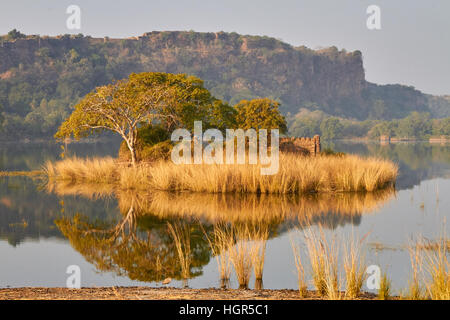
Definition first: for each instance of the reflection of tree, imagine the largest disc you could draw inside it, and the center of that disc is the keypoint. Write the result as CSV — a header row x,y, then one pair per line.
x,y
137,246
159,235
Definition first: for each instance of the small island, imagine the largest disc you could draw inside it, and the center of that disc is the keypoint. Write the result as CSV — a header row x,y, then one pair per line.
x,y
147,107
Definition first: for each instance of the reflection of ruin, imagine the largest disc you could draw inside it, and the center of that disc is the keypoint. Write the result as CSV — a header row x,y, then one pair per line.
x,y
141,246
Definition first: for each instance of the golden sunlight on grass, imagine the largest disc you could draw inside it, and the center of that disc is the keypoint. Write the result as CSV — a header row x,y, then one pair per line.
x,y
327,256
296,175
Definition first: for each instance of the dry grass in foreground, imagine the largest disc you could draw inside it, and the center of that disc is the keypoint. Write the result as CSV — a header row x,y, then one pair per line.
x,y
296,175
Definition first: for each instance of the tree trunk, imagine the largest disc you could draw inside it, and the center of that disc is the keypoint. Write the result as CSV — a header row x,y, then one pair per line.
x,y
133,156
132,148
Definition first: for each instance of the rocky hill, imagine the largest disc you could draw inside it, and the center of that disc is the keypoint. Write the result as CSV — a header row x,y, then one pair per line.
x,y
42,77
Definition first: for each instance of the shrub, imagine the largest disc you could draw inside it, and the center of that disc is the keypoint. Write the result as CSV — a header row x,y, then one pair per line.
x,y
152,144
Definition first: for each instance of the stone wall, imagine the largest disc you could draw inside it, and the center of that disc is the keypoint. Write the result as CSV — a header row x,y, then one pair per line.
x,y
306,146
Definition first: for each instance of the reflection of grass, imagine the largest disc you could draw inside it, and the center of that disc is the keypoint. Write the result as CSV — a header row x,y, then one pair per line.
x,y
296,175
235,208
243,247
21,173
240,256
253,208
220,241
182,237
259,234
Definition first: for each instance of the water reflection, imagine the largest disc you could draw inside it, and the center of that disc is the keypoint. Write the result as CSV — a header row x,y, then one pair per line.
x,y
163,235
36,252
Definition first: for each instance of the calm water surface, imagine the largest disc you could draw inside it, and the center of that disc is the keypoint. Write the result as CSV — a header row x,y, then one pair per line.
x,y
121,238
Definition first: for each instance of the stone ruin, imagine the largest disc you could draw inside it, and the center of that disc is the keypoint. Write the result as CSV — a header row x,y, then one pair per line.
x,y
305,146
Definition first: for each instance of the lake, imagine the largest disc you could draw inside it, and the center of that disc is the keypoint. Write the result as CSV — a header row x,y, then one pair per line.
x,y
121,238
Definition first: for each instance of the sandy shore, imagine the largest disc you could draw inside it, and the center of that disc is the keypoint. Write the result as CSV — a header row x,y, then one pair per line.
x,y
146,293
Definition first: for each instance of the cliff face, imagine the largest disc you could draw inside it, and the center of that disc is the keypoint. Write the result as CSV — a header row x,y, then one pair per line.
x,y
233,66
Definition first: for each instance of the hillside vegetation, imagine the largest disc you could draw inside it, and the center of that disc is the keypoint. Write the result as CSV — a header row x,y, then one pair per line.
x,y
42,78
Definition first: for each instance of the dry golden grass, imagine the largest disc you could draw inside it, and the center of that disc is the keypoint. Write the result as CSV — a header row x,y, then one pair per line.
x,y
354,267
384,293
437,265
96,170
297,174
302,285
430,269
323,257
415,290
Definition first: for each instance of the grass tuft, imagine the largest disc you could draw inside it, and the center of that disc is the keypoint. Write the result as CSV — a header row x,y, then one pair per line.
x,y
297,175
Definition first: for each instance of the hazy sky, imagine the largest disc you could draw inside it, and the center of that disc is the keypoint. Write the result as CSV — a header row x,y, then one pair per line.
x,y
412,48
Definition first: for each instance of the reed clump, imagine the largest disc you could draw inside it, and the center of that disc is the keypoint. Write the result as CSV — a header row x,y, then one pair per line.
x,y
437,266
323,256
415,289
384,292
354,267
302,285
95,170
296,175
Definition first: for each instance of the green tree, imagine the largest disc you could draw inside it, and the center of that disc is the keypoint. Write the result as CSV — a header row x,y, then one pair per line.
x,y
387,128
171,100
120,107
416,125
331,128
260,114
14,34
305,127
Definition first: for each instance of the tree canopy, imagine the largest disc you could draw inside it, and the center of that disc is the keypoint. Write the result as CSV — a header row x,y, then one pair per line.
x,y
260,114
170,100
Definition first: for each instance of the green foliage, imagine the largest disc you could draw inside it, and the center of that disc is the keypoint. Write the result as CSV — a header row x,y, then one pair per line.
x,y
414,126
152,134
260,114
122,107
152,144
234,68
331,128
14,34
